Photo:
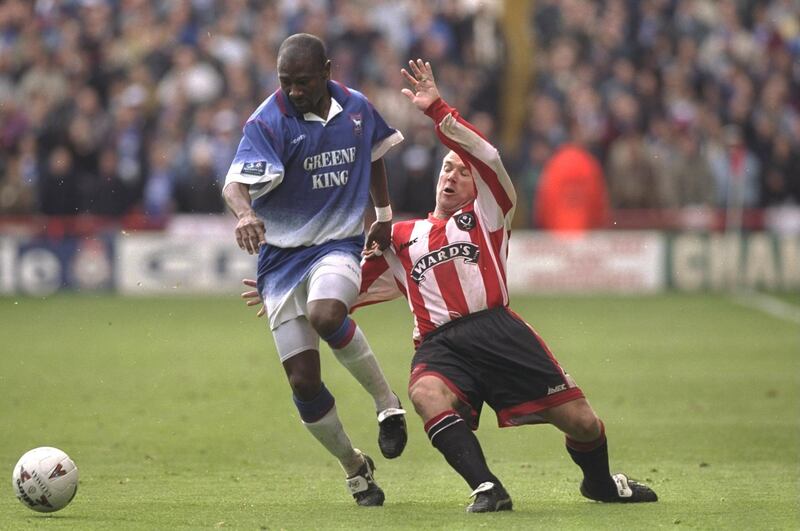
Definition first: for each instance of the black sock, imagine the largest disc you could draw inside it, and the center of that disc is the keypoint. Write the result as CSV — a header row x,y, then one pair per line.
x,y
592,457
454,439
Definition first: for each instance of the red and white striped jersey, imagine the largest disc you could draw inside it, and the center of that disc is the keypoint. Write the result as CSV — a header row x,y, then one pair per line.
x,y
450,268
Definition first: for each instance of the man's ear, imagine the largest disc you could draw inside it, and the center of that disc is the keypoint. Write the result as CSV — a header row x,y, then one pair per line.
x,y
326,70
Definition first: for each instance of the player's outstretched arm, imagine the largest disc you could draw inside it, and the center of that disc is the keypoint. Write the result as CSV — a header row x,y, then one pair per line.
x,y
249,229
380,232
495,189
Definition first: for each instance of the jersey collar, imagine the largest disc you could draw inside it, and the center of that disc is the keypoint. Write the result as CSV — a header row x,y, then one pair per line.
x,y
437,221
433,220
339,96
334,109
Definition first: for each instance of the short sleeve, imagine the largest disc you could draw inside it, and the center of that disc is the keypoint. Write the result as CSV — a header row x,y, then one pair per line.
x,y
257,162
384,137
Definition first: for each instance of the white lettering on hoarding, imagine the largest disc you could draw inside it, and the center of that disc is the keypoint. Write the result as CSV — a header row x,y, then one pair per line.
x,y
724,257
39,272
596,262
728,261
790,262
688,262
8,251
759,266
158,264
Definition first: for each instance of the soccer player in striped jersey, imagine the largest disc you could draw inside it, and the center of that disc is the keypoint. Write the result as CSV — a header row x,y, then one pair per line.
x,y
309,159
471,347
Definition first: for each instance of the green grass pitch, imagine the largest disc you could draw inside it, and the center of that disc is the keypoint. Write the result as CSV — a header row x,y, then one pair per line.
x,y
178,415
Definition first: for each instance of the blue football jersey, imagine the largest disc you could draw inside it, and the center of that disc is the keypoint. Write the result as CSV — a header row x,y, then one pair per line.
x,y
309,182
309,178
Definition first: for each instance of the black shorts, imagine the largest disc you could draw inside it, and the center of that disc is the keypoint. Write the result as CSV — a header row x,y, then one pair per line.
x,y
494,356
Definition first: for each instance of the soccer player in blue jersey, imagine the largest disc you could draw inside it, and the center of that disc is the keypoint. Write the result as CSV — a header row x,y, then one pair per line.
x,y
471,349
307,164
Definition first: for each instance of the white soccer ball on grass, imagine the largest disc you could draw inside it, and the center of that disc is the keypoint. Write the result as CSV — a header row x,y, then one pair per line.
x,y
45,479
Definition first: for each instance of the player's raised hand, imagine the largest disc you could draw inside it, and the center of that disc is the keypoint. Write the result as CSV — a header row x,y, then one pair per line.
x,y
252,297
423,86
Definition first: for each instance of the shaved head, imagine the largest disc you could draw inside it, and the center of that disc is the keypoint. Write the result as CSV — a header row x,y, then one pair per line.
x,y
303,72
303,47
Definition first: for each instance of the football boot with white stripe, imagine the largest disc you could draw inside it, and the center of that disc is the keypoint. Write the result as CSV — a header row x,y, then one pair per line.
x,y
362,485
628,491
392,432
489,498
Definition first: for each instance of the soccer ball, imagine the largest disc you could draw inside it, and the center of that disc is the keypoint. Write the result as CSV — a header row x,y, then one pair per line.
x,y
45,479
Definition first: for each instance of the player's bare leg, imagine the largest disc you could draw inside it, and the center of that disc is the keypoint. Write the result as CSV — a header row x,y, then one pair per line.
x,y
576,419
329,317
449,433
431,397
588,447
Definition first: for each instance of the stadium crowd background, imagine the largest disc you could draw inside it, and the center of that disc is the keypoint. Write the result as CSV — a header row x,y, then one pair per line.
x,y
112,107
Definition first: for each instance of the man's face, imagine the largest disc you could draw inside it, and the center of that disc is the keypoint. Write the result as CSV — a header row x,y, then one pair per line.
x,y
455,187
303,81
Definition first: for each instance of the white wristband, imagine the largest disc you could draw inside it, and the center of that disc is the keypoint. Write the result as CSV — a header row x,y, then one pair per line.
x,y
383,214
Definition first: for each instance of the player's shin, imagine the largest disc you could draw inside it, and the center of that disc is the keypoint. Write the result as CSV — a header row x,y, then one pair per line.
x,y
321,419
592,457
353,351
450,435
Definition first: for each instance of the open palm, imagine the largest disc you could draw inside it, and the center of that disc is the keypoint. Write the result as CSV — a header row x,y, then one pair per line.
x,y
422,82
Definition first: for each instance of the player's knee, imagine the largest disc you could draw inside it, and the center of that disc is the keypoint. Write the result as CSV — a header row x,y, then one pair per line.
x,y
429,394
326,318
304,386
419,396
586,425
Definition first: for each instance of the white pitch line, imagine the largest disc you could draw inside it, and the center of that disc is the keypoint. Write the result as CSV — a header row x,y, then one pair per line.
x,y
769,305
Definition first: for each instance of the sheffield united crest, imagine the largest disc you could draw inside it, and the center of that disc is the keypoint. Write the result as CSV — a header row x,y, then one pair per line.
x,y
465,221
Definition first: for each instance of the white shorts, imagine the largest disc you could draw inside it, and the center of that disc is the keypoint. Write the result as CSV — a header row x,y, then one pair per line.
x,y
337,276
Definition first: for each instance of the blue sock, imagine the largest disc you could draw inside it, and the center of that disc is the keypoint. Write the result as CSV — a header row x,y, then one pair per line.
x,y
317,407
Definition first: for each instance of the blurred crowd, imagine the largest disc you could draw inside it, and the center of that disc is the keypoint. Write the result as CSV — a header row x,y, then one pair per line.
x,y
682,102
117,106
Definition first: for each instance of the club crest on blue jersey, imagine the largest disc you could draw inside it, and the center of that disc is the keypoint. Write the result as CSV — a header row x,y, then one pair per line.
x,y
465,221
468,251
257,168
358,123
